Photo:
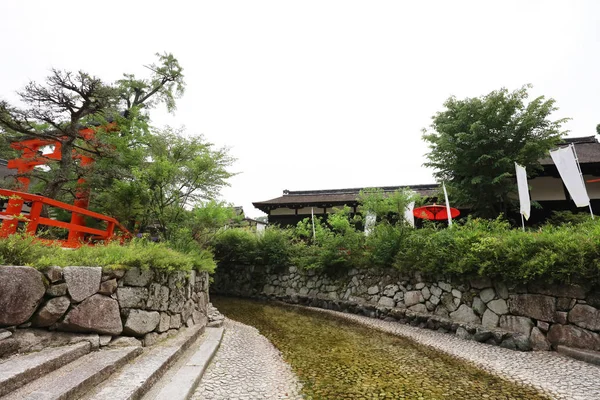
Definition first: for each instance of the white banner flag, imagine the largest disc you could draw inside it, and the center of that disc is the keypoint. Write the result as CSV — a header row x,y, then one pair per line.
x,y
565,162
408,214
523,191
447,205
370,220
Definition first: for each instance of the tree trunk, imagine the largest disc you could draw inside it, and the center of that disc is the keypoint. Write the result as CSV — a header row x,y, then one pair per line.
x,y
66,164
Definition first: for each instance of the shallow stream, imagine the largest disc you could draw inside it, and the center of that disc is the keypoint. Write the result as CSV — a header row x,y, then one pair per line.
x,y
337,359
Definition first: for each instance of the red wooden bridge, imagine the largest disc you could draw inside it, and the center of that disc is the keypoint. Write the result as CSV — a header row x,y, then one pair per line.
x,y
14,214
79,234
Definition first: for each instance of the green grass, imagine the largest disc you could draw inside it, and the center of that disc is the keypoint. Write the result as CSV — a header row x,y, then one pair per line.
x,y
336,359
25,250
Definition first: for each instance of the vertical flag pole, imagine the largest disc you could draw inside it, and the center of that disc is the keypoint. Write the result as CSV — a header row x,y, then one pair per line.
x,y
312,215
523,222
572,146
447,205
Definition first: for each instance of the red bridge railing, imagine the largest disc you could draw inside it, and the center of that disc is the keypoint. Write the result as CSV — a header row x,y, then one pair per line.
x,y
79,234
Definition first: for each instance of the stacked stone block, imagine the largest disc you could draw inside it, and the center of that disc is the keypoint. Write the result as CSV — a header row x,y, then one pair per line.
x,y
140,303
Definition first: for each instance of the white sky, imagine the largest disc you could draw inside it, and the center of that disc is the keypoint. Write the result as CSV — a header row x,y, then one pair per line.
x,y
317,94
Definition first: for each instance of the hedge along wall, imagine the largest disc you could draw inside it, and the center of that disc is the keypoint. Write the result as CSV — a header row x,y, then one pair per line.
x,y
537,316
133,302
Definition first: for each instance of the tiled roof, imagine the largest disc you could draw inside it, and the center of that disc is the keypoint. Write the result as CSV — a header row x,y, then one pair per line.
x,y
309,198
587,149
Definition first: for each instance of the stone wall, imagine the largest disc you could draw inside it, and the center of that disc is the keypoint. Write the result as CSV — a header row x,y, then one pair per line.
x,y
89,300
537,316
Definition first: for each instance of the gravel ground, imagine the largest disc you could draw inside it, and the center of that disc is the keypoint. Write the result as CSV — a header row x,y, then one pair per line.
x,y
247,366
558,376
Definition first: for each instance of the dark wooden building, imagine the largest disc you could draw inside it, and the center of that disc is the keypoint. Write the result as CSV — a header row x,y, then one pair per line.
x,y
547,189
294,206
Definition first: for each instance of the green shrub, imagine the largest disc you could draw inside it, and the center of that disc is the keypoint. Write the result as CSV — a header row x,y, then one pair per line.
x,y
471,247
567,217
235,246
384,242
25,250
336,245
273,248
306,256
492,248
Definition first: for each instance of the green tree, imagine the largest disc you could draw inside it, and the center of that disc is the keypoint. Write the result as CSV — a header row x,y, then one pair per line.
x,y
66,101
145,177
164,85
208,219
178,173
125,150
55,111
386,205
475,142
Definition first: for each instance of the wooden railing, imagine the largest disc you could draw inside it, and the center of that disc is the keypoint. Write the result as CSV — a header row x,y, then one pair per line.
x,y
79,234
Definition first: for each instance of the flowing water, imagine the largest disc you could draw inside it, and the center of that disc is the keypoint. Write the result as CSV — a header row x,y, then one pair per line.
x,y
337,359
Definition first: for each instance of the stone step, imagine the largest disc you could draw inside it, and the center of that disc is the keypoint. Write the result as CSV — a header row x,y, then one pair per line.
x,y
215,324
182,381
137,378
73,380
22,369
589,356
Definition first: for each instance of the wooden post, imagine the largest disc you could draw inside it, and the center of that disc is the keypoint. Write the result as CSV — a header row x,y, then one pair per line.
x,y
110,230
34,216
13,209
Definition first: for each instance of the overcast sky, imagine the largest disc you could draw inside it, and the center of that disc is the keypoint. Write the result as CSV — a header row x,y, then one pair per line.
x,y
317,94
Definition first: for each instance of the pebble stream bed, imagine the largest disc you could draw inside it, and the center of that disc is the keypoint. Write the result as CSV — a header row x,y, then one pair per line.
x,y
338,359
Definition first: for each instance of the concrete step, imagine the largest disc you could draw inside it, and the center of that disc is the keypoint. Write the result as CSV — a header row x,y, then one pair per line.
x,y
181,381
137,378
589,356
74,379
22,369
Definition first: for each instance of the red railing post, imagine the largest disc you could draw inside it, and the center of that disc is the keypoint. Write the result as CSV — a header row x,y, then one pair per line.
x,y
34,217
77,232
110,230
13,209
76,236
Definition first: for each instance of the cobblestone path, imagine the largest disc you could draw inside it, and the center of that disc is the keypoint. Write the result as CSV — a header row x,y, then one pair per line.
x,y
247,366
558,376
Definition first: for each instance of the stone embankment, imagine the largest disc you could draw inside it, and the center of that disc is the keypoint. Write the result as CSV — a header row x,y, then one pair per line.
x,y
101,306
537,316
